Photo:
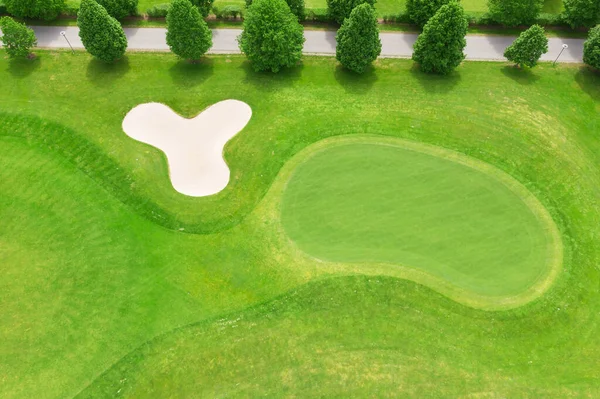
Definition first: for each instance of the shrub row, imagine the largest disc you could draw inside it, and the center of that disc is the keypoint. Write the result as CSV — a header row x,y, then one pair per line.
x,y
318,15
54,8
480,18
228,12
71,9
158,11
323,15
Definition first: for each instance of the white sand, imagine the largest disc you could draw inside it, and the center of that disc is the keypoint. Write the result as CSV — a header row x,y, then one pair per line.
x,y
194,147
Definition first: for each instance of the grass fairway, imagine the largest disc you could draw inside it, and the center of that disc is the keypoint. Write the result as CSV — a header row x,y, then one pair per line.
x,y
114,285
371,200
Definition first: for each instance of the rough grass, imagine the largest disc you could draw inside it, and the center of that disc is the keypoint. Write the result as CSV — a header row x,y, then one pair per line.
x,y
94,265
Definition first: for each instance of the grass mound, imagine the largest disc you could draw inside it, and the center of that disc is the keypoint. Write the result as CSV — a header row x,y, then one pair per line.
x,y
385,337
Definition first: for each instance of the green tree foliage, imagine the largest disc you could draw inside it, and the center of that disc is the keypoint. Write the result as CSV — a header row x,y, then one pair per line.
x,y
582,13
341,9
16,38
188,35
439,49
527,49
514,12
119,8
204,6
358,43
272,36
419,11
591,48
101,35
297,7
37,9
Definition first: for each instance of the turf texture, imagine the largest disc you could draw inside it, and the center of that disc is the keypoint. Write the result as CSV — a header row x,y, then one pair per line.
x,y
381,201
112,284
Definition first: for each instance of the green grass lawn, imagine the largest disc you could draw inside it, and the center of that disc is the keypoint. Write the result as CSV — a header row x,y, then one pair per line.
x,y
113,284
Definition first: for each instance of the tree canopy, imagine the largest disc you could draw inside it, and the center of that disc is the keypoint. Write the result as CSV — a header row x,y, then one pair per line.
x,y
188,35
101,35
582,13
527,49
591,48
16,38
340,9
204,6
514,12
119,8
439,49
297,7
36,9
420,11
272,37
358,43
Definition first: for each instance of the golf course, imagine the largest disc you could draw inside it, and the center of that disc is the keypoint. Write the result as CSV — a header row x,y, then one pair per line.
x,y
391,234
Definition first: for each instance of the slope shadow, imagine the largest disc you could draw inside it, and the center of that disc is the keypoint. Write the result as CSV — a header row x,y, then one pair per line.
x,y
523,76
102,73
23,67
353,82
434,83
588,80
186,73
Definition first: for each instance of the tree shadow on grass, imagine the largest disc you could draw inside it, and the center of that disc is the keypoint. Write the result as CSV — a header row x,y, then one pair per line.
x,y
22,67
355,83
186,73
270,81
435,83
523,76
103,73
588,80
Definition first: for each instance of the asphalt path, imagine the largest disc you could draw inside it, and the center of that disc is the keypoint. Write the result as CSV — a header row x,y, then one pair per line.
x,y
396,44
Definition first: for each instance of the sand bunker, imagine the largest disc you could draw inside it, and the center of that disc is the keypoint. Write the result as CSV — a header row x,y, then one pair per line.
x,y
194,147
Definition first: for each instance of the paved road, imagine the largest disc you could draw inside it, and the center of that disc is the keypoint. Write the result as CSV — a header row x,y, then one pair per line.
x,y
479,47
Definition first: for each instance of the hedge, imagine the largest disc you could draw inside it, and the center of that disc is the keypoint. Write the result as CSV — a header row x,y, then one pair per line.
x,y
321,15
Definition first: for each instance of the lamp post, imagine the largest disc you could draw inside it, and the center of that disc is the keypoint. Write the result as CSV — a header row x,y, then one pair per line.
x,y
64,34
564,47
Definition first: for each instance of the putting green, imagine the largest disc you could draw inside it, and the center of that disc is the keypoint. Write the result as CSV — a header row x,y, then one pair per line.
x,y
372,200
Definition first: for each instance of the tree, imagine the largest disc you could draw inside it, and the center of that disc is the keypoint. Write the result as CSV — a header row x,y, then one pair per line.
x,y
272,36
420,11
36,9
296,6
591,48
341,9
358,43
527,49
439,48
101,35
17,38
514,12
188,35
119,8
585,13
204,6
